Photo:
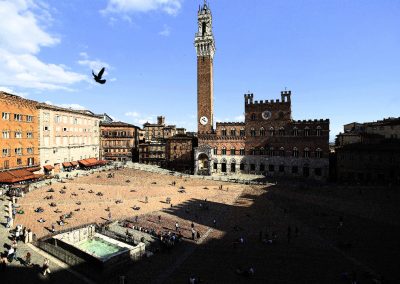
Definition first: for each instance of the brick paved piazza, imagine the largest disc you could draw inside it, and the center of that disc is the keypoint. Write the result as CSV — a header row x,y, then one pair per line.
x,y
128,185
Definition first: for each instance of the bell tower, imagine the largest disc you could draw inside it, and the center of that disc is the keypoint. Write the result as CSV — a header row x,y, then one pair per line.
x,y
205,49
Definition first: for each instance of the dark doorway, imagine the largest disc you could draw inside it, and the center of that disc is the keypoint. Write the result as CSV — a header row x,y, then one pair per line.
x,y
233,167
306,171
223,167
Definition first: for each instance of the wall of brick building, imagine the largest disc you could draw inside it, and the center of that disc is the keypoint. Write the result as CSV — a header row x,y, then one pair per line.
x,y
118,141
311,135
11,105
179,153
373,163
205,94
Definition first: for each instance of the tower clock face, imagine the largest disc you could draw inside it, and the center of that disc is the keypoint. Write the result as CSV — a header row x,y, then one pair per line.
x,y
203,120
266,115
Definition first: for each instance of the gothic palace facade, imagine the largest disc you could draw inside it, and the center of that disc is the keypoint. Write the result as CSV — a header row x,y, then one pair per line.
x,y
268,142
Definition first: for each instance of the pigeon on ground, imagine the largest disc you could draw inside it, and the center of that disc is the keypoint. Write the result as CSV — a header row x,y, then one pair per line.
x,y
97,77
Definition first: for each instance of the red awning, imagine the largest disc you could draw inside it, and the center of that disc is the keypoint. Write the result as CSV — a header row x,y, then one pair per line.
x,y
84,163
74,163
48,167
91,162
16,176
34,169
66,164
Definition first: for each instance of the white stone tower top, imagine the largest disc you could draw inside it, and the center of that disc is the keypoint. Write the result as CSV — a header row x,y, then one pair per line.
x,y
204,39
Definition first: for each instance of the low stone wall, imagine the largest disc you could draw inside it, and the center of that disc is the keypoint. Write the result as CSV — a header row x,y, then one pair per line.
x,y
78,235
244,179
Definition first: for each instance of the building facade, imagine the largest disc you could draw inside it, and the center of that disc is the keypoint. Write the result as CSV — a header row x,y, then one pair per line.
x,y
67,136
152,153
369,163
387,128
119,141
159,131
179,152
369,152
19,126
268,142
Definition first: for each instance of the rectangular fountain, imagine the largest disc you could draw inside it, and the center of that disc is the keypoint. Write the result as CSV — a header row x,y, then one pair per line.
x,y
98,246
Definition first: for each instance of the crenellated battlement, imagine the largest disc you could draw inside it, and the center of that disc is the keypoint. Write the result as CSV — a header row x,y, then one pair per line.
x,y
230,124
285,98
310,121
248,98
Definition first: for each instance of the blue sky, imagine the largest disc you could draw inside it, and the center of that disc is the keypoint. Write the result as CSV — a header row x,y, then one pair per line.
x,y
340,58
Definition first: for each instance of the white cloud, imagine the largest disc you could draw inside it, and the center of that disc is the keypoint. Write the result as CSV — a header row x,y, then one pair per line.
x,y
140,119
132,114
166,31
13,92
170,7
72,106
94,65
239,118
22,36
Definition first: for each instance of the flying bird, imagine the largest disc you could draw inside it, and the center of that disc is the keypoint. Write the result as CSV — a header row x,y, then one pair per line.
x,y
97,77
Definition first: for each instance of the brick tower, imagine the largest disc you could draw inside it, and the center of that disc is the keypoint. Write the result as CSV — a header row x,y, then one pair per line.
x,y
205,49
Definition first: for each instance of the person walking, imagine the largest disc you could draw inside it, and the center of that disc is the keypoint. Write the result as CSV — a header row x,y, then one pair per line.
x,y
28,259
46,267
15,254
176,226
193,234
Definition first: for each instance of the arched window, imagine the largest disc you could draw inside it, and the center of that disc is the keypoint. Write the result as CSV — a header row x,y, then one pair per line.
x,y
282,152
307,131
242,152
318,153
223,132
281,131
306,153
318,131
271,151
223,150
252,151
262,151
253,116
242,132
215,151
233,151
233,132
252,132
272,131
295,152
262,131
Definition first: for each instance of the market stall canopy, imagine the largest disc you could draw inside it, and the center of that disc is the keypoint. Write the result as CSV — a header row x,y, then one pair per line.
x,y
17,176
48,167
